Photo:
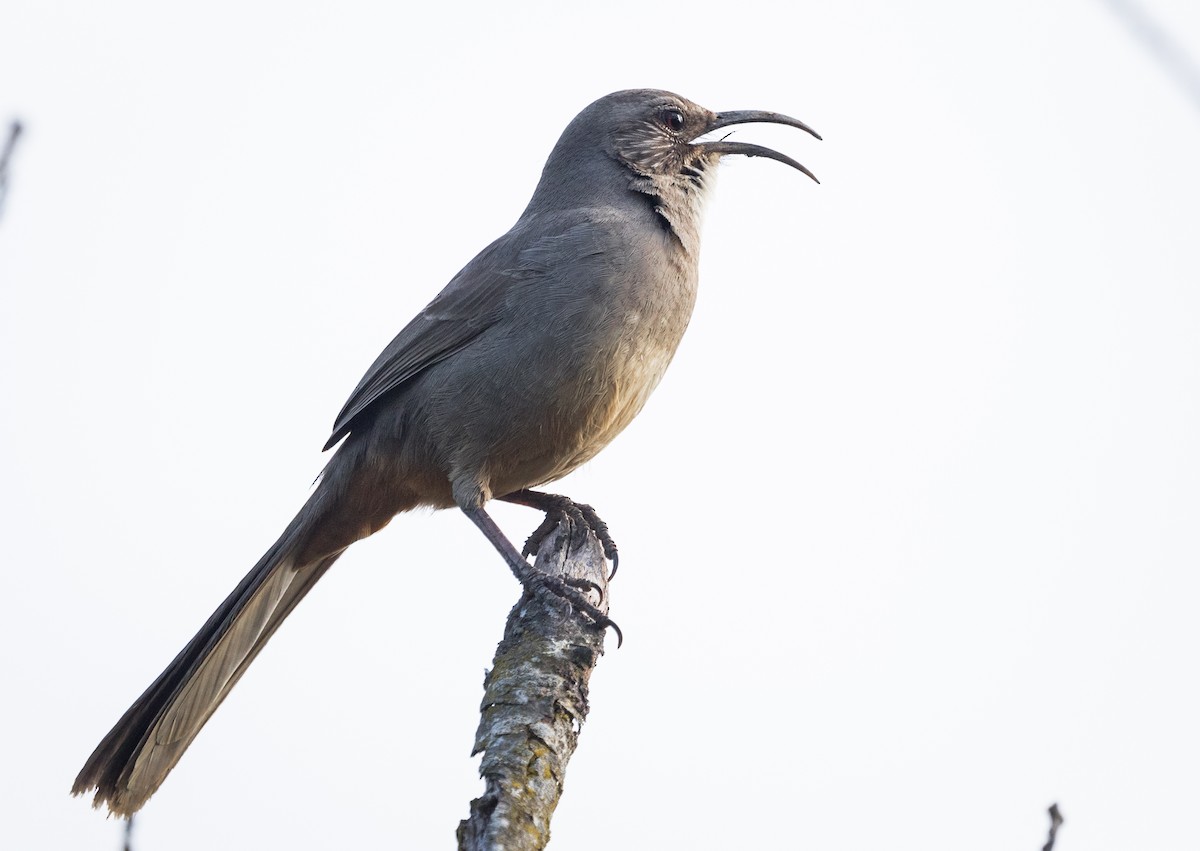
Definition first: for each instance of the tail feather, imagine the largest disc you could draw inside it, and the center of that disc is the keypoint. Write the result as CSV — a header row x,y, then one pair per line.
x,y
135,757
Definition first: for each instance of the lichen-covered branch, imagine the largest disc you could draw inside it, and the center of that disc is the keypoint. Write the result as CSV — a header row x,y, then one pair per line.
x,y
535,701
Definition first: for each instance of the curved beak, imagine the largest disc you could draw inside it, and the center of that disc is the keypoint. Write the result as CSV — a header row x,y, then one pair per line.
x,y
754,116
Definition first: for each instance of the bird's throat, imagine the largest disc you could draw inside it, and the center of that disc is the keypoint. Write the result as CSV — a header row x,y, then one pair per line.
x,y
678,201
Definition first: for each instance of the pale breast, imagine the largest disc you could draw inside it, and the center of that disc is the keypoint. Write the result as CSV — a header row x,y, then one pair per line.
x,y
602,349
626,372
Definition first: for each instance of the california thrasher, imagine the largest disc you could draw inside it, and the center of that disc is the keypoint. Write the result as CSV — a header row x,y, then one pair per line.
x,y
534,356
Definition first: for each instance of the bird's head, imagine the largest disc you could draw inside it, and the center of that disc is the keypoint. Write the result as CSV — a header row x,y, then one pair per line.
x,y
652,144
657,133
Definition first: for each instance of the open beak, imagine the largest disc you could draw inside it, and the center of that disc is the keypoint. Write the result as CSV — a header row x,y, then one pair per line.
x,y
753,116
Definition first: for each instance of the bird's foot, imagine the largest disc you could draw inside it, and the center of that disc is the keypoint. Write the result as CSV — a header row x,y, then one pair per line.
x,y
582,519
549,587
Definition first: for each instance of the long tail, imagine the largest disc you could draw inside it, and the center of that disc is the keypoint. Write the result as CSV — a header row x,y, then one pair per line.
x,y
138,753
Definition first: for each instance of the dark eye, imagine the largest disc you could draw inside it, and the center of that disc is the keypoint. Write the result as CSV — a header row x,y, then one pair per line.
x,y
673,120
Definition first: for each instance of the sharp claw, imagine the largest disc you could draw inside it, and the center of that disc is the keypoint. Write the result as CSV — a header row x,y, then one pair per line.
x,y
609,622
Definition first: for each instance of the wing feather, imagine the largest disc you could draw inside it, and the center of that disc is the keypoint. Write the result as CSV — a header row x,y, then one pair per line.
x,y
475,300
470,304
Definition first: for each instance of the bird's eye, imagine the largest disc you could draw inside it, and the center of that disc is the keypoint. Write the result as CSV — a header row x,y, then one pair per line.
x,y
673,120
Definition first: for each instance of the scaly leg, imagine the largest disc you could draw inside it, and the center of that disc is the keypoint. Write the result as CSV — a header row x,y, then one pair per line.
x,y
533,579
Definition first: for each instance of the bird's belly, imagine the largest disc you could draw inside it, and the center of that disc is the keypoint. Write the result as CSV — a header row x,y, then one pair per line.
x,y
611,412
592,408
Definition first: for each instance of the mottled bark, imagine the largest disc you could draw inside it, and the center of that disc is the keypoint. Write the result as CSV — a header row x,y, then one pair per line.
x,y
535,701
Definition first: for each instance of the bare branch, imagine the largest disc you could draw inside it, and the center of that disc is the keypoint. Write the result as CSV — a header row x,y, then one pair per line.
x,y
535,701
1056,821
1165,48
14,132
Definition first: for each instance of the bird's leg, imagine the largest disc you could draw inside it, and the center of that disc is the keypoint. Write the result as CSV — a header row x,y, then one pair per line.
x,y
535,581
556,508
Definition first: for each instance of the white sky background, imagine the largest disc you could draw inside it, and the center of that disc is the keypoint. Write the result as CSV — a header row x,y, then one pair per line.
x,y
909,532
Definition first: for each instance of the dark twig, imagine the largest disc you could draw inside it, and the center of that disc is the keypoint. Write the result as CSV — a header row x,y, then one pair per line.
x,y
129,834
1056,821
14,132
1164,47
535,701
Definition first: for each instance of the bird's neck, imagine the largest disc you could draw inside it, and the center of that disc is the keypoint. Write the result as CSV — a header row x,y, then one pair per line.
x,y
572,180
679,200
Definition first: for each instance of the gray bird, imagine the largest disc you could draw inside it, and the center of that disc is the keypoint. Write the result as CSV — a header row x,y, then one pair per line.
x,y
534,356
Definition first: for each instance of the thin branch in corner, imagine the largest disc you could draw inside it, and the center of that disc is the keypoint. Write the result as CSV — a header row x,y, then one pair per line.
x,y
534,704
1056,821
14,132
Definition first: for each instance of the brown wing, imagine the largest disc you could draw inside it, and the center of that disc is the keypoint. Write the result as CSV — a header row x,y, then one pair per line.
x,y
469,305
476,298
